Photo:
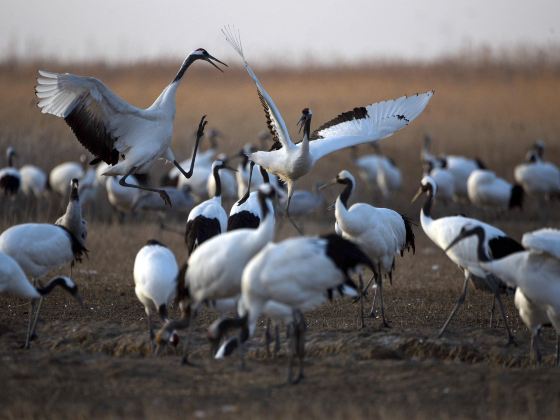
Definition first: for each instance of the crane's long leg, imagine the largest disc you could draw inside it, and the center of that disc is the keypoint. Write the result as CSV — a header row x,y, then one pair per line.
x,y
36,318
290,193
459,302
511,338
535,346
361,281
199,135
300,343
492,311
268,337
557,350
292,221
185,359
164,196
150,331
380,286
29,324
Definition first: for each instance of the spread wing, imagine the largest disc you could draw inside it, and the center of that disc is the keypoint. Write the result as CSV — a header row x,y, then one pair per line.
x,y
96,115
274,119
367,124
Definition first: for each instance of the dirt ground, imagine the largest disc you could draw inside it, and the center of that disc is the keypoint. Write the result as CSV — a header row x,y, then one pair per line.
x,y
96,361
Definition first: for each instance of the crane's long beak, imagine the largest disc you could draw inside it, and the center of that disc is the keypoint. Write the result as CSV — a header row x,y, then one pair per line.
x,y
210,58
328,184
418,194
459,238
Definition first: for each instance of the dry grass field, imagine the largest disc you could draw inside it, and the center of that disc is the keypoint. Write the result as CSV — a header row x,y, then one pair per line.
x,y
95,361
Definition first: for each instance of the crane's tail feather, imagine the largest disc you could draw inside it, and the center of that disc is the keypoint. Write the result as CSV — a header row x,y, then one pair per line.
x,y
233,37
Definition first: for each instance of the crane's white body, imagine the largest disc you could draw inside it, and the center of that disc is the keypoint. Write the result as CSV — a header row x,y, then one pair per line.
x,y
538,177
461,168
33,180
155,276
532,315
13,280
37,247
535,271
486,190
61,175
210,209
215,268
122,198
292,274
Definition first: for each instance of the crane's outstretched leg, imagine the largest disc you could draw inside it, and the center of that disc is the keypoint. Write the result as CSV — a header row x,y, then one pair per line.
x,y
459,302
361,281
151,331
199,135
164,196
36,318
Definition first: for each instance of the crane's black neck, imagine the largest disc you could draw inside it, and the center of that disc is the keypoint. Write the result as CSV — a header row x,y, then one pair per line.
x,y
57,281
481,252
190,59
307,128
264,174
11,160
427,208
248,192
263,205
346,192
217,180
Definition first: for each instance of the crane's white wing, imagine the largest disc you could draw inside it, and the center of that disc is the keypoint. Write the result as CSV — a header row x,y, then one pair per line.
x,y
274,119
543,240
366,124
96,115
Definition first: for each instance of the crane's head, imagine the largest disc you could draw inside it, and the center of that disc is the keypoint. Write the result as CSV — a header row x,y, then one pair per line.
x,y
68,285
202,54
427,186
344,177
306,115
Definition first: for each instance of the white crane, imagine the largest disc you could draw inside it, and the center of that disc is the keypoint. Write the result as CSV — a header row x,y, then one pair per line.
x,y
486,190
120,134
10,178
155,281
460,167
14,281
291,161
285,280
208,218
34,181
247,212
378,170
41,247
381,233
216,266
61,175
444,230
535,271
538,177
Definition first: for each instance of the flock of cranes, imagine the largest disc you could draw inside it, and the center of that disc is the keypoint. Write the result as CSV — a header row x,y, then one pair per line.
x,y
233,262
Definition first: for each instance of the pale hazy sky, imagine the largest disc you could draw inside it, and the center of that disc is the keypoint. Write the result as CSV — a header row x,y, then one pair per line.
x,y
288,30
